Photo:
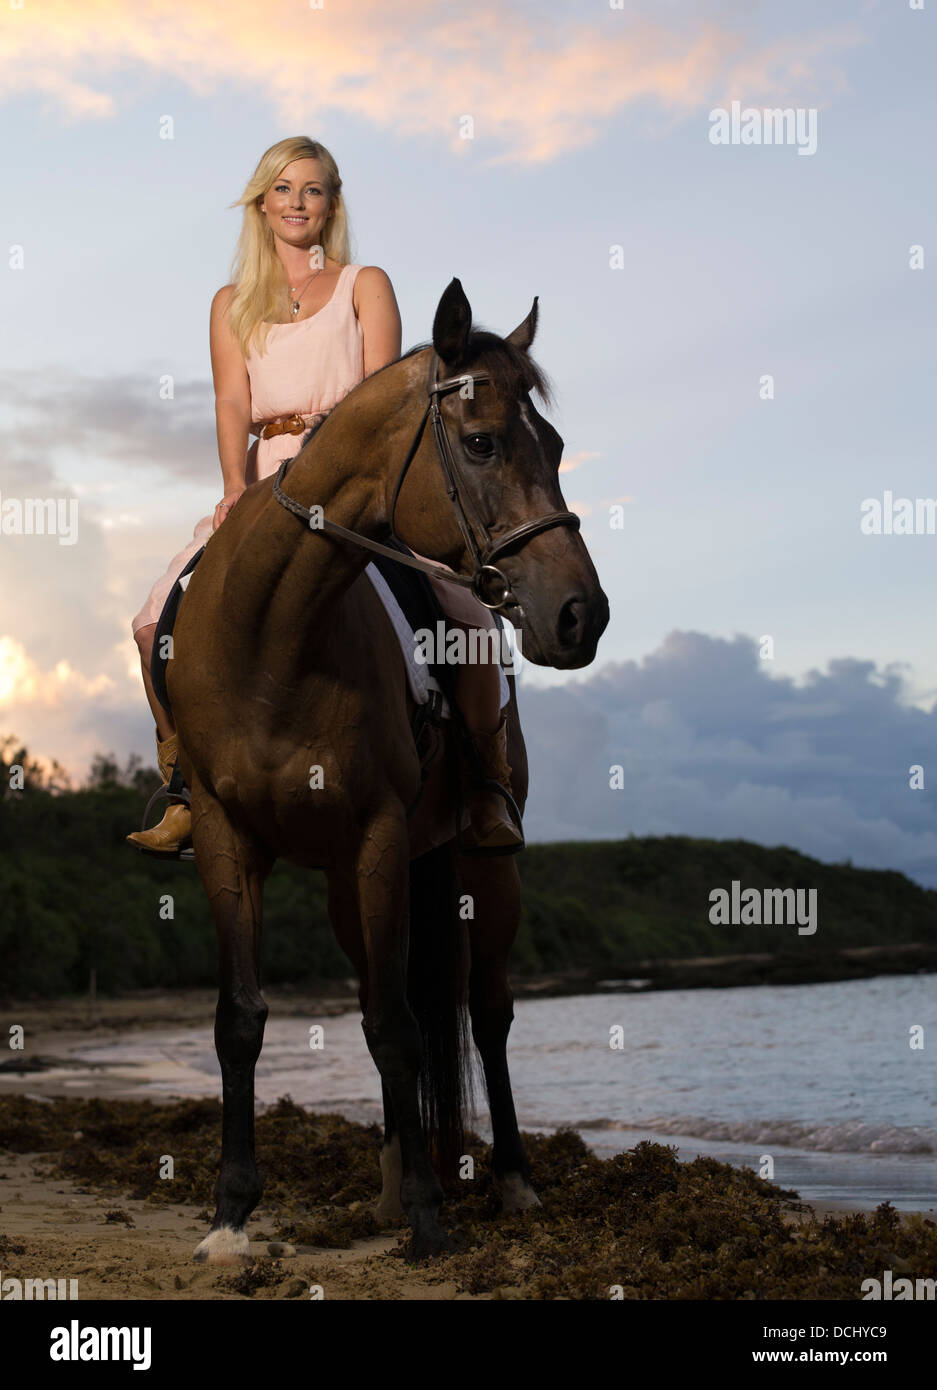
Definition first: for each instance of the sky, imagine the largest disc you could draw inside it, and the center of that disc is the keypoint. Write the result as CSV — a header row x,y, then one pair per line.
x,y
740,338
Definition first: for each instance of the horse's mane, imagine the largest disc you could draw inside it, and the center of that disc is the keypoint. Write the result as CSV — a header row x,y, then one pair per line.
x,y
511,370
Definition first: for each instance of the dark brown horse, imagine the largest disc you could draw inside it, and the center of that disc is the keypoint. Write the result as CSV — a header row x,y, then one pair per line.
x,y
290,695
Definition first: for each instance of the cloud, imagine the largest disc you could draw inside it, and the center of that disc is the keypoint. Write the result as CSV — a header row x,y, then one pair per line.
x,y
120,418
22,683
712,745
536,86
69,674
64,714
573,461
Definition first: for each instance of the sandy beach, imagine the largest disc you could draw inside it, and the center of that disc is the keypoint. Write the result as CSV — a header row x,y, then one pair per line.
x,y
126,1248
54,1227
131,1249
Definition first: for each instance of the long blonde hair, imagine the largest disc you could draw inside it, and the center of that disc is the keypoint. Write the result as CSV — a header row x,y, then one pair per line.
x,y
257,271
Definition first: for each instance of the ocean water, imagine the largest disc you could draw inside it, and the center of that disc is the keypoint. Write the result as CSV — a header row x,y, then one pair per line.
x,y
821,1078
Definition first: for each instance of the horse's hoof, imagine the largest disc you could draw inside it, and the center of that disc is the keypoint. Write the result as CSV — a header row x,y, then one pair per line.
x,y
425,1244
226,1246
516,1193
389,1211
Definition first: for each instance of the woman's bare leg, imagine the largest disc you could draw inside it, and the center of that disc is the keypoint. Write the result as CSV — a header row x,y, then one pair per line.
x,y
143,637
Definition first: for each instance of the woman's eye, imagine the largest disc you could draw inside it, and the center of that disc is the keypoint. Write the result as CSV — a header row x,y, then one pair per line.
x,y
481,445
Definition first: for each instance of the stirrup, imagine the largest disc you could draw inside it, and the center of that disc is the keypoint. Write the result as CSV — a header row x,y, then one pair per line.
x,y
490,851
174,790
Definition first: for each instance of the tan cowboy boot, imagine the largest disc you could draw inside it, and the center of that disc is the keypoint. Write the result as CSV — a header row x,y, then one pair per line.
x,y
492,826
174,831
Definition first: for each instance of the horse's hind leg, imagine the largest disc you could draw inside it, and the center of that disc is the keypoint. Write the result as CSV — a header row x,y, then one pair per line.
x,y
390,1027
233,869
494,887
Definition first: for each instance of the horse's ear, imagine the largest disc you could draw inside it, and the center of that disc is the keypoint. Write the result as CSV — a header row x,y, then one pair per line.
x,y
523,335
452,324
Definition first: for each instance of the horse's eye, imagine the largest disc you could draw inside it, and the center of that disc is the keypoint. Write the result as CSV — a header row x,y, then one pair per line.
x,y
481,445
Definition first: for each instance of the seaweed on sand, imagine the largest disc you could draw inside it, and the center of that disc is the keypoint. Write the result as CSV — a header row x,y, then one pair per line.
x,y
640,1225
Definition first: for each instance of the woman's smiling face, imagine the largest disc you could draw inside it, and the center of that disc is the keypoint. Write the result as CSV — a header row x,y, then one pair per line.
x,y
297,203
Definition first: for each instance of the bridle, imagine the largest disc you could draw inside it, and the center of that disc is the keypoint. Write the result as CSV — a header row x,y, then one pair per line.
x,y
488,583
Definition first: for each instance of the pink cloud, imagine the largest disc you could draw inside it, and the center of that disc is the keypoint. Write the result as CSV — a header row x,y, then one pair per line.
x,y
535,88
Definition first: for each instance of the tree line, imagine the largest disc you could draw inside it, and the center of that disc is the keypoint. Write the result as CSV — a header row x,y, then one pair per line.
x,y
74,898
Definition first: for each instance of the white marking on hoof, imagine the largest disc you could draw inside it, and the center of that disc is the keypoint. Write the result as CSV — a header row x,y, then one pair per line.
x,y
389,1207
516,1194
226,1246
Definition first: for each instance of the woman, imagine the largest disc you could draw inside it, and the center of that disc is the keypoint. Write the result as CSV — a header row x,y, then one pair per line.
x,y
297,328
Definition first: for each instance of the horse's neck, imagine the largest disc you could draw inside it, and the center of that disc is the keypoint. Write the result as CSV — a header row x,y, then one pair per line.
x,y
293,581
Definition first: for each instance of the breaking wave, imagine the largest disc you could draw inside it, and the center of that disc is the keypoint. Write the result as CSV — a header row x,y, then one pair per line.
x,y
843,1136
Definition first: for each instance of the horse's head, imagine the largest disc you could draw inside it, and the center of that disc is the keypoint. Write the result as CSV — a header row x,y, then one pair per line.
x,y
506,459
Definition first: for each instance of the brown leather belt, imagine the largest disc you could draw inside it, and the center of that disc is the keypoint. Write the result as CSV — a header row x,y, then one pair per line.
x,y
292,424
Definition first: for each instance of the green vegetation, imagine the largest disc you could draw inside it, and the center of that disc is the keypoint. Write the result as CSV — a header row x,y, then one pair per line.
x,y
614,903
74,897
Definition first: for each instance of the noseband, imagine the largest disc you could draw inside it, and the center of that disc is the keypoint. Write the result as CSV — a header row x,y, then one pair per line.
x,y
488,583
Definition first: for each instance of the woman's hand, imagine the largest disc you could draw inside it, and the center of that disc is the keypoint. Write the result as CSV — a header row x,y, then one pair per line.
x,y
223,508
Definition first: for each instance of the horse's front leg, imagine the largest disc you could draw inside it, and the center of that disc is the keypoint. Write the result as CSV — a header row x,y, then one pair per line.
x,y
494,886
233,869
392,1032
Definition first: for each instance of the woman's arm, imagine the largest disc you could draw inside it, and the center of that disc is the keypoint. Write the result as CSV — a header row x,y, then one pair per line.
x,y
376,307
232,402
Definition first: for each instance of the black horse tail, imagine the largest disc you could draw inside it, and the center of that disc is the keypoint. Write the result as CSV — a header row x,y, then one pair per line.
x,y
437,990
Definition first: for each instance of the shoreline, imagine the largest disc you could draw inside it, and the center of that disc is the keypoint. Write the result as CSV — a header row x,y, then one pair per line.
x,y
737,971
136,1048
151,1008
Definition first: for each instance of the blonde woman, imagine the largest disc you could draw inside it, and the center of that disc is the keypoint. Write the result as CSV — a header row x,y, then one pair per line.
x,y
295,331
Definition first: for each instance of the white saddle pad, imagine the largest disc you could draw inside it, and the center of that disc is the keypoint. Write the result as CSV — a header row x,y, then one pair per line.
x,y
421,682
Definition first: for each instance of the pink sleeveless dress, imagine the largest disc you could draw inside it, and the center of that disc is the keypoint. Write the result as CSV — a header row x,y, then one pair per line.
x,y
306,369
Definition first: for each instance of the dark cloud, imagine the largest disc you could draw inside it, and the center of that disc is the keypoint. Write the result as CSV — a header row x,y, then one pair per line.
x,y
712,745
120,418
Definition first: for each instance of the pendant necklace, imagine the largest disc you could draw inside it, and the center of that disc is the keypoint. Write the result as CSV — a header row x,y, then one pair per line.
x,y
294,305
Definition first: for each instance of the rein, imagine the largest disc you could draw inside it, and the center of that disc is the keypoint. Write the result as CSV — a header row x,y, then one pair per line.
x,y
488,583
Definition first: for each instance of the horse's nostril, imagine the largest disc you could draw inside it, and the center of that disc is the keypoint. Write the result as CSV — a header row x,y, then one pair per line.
x,y
571,619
